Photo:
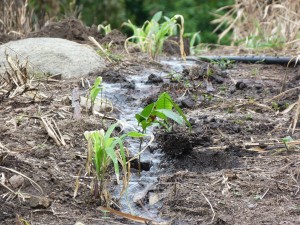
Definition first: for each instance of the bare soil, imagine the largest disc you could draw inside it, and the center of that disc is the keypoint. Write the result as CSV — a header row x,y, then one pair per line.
x,y
231,168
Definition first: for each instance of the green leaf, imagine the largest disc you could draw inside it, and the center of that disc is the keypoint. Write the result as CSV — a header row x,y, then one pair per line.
x,y
157,16
172,115
135,134
112,155
94,91
163,101
178,109
109,131
287,139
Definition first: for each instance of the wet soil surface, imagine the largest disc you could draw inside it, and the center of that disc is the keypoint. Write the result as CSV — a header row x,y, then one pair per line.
x,y
232,167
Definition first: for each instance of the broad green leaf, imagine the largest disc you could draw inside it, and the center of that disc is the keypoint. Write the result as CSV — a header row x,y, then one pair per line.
x,y
146,112
135,134
163,101
144,115
178,109
172,115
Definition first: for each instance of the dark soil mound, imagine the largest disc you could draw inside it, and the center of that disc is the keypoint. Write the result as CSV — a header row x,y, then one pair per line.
x,y
70,29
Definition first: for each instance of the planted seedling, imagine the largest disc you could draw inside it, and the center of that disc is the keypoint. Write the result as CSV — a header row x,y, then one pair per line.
x,y
151,36
104,150
94,91
160,113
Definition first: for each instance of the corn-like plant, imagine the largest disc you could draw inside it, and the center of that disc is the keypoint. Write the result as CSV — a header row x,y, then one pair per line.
x,y
151,36
104,150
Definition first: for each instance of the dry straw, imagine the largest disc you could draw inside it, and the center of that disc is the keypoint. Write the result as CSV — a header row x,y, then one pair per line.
x,y
268,20
15,17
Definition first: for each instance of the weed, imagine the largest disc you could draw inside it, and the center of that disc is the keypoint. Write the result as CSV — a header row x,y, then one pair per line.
x,y
285,141
151,36
223,63
223,88
249,117
275,106
208,97
254,71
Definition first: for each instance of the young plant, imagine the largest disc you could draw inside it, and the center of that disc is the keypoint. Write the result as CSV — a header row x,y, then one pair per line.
x,y
94,91
103,149
160,113
104,29
151,36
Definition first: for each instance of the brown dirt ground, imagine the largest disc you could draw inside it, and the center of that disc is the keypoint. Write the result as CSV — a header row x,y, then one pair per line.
x,y
232,168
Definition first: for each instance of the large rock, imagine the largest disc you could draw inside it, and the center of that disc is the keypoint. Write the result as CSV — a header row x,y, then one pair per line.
x,y
53,55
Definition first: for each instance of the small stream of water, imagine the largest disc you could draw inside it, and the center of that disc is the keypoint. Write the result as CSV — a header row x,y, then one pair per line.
x,y
128,102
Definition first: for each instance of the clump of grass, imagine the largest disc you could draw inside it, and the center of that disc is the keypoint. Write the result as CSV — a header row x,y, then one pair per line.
x,y
262,24
151,36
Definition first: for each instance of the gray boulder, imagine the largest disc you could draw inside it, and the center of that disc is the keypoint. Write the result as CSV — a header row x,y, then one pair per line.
x,y
53,56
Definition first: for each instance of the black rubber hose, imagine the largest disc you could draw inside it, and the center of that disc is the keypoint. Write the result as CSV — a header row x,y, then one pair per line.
x,y
282,60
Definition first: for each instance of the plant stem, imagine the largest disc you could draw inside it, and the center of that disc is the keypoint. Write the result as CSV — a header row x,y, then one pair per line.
x,y
139,161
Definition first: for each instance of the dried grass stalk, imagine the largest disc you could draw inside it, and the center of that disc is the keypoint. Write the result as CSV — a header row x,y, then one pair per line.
x,y
273,19
15,17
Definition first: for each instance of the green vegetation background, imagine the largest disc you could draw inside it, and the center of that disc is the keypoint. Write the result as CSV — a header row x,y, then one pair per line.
x,y
197,13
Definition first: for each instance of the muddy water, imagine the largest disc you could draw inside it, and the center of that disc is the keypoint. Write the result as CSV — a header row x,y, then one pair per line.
x,y
128,102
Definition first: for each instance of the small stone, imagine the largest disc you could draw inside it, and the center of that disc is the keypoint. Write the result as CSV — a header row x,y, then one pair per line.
x,y
154,79
188,102
218,79
240,85
252,206
16,181
39,202
128,85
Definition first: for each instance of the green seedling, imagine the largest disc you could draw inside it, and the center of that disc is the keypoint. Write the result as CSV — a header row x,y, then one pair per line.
x,y
103,149
275,106
285,141
105,29
249,117
151,36
160,113
223,63
195,39
94,91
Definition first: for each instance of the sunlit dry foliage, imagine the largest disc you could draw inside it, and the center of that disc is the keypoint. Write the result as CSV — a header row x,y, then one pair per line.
x,y
15,17
273,23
